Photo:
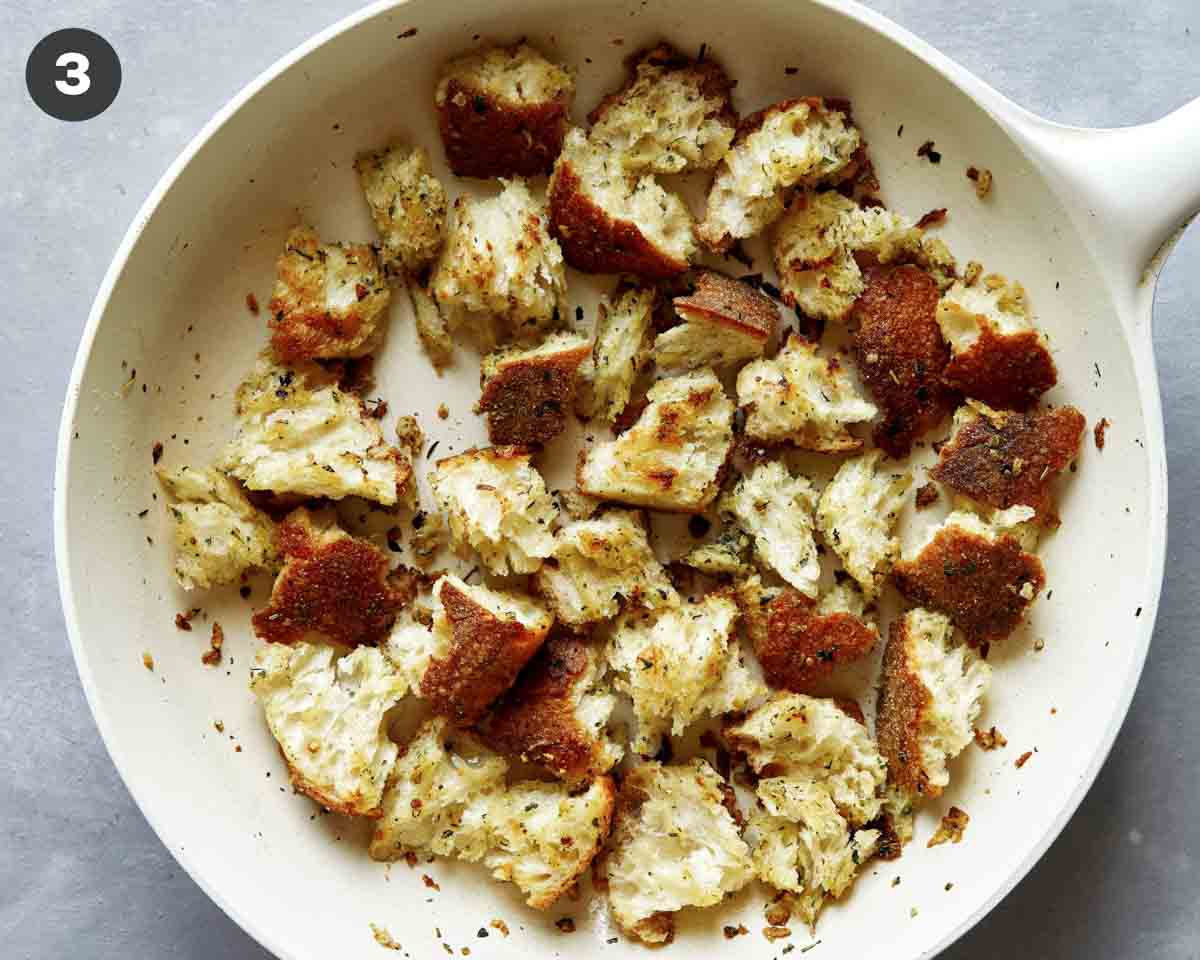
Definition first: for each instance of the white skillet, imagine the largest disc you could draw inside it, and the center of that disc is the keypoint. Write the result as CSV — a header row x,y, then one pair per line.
x,y
1081,217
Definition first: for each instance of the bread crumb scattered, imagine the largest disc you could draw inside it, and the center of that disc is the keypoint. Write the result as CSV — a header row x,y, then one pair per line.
x,y
926,495
990,739
982,178
1023,759
499,925
443,411
252,303
1099,430
776,933
738,931
212,656
383,938
952,827
148,660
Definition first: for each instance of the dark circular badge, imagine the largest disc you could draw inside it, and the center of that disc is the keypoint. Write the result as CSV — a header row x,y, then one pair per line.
x,y
73,74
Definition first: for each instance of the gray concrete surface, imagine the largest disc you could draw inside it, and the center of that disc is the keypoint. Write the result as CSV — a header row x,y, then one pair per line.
x,y
81,874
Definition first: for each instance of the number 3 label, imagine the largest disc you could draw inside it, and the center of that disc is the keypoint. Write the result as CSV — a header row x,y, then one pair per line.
x,y
76,81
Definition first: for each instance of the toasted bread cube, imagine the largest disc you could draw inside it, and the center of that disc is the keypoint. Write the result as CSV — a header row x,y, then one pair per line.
x,y
300,433
219,534
794,143
408,204
857,516
500,262
442,781
803,846
432,328
497,505
619,350
816,741
608,221
674,845
679,664
528,391
725,321
329,300
326,709
557,713
982,579
333,587
900,354
930,696
503,112
802,398
674,456
999,357
777,510
599,564
672,116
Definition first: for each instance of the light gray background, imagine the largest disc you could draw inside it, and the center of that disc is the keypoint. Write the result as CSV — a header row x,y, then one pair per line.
x,y
81,874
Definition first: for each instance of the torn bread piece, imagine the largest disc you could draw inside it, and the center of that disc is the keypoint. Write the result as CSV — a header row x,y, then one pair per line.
x,y
794,143
333,587
503,112
557,713
219,534
678,664
600,564
527,392
329,300
730,555
725,321
930,695
857,517
672,116
802,398
610,222
1003,459
999,357
301,433
675,844
674,456
982,579
408,204
432,329
619,350
776,509
497,505
500,272
326,709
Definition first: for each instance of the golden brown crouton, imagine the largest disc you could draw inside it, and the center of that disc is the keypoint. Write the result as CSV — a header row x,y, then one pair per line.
x,y
801,646
725,321
527,393
900,354
408,205
333,587
1006,459
503,112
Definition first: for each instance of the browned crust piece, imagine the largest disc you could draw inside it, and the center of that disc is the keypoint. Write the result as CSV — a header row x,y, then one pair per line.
x,y
339,589
977,582
1008,372
346,808
594,242
900,354
488,136
903,700
484,658
1012,458
527,402
800,647
727,302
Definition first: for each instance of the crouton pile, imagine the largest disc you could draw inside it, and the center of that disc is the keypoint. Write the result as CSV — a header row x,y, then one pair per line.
x,y
641,679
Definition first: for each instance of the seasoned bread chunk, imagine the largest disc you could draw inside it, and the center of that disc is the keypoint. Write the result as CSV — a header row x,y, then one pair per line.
x,y
333,587
930,696
557,713
599,564
802,398
999,357
674,845
218,533
900,354
497,505
329,300
326,709
432,328
857,516
982,579
528,392
620,347
1005,459
793,143
503,112
674,456
725,321
408,204
300,433
672,116
609,221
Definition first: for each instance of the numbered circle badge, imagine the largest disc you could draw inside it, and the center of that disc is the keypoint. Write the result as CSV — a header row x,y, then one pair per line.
x,y
73,74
